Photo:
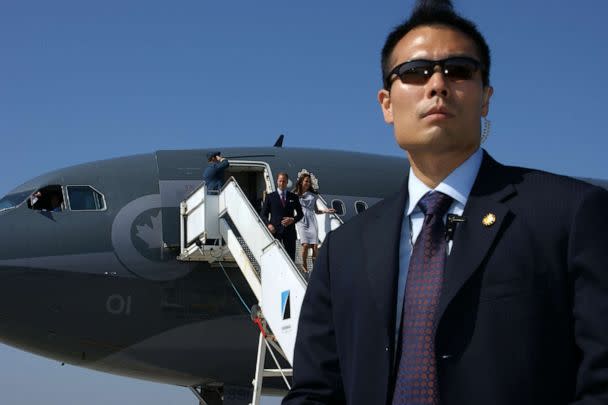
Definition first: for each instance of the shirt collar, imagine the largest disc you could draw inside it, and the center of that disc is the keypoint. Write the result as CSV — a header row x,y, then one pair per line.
x,y
457,185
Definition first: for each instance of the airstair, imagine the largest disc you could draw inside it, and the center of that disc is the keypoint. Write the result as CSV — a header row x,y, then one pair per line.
x,y
224,227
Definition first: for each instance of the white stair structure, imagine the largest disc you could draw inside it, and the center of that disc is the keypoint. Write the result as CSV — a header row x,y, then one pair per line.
x,y
224,227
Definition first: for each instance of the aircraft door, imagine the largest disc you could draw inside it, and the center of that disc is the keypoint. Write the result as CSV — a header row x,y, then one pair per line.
x,y
172,193
178,175
254,178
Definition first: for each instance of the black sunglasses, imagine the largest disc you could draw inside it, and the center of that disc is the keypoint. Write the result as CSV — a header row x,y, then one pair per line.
x,y
419,71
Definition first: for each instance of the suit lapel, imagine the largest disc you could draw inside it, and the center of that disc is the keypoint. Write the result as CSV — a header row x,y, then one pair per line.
x,y
381,238
473,239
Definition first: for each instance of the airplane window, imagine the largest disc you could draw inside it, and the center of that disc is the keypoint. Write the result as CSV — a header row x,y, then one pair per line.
x,y
13,200
338,205
360,206
85,198
49,198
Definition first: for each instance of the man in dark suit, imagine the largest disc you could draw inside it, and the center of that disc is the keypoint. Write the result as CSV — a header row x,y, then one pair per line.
x,y
476,283
281,205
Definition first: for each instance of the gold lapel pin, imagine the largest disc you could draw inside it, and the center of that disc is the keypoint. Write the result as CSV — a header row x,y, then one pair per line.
x,y
489,219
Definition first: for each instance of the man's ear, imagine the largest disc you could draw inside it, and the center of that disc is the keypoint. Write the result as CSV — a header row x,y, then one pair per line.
x,y
384,98
485,102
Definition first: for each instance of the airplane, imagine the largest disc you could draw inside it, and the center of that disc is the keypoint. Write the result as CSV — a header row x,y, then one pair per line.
x,y
89,273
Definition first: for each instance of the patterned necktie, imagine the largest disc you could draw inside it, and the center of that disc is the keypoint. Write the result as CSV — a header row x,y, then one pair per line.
x,y
416,381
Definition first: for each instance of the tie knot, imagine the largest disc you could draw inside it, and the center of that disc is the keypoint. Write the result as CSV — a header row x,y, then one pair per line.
x,y
435,203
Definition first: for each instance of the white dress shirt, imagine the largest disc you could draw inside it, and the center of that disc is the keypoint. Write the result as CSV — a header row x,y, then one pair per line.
x,y
458,186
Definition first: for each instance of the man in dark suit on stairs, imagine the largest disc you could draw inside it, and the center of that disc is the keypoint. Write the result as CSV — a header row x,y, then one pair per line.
x,y
282,205
476,283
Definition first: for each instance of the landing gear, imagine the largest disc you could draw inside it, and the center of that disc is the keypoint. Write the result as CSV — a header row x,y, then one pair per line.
x,y
208,394
219,394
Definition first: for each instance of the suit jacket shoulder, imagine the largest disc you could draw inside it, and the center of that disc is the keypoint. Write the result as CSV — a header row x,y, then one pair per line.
x,y
544,196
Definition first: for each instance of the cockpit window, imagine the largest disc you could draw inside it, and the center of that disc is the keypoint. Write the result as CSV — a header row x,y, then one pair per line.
x,y
49,198
14,199
85,198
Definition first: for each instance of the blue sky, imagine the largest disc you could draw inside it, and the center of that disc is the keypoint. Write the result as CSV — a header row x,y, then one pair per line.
x,y
82,81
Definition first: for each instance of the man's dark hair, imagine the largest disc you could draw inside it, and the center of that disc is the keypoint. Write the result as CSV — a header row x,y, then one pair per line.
x,y
436,12
279,174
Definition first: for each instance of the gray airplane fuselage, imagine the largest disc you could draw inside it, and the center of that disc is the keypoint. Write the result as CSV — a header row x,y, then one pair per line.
x,y
103,289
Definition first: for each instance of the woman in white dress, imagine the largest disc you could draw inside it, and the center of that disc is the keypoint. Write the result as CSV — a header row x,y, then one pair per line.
x,y
307,227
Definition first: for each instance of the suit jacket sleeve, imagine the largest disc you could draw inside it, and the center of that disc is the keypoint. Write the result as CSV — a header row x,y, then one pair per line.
x,y
223,165
213,169
588,264
266,209
316,369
